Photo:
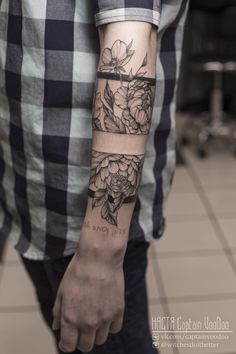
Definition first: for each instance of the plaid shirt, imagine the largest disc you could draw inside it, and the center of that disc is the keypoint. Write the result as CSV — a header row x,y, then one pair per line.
x,y
49,52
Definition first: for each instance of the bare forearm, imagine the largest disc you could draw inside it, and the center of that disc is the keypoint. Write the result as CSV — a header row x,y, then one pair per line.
x,y
122,109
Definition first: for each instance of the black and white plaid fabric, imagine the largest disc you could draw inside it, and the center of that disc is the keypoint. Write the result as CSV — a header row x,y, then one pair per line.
x,y
48,57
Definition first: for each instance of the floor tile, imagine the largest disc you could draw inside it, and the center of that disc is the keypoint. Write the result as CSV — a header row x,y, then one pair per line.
x,y
157,313
187,235
197,311
152,282
182,180
24,333
16,288
220,161
222,201
184,205
10,254
193,276
216,171
214,178
228,226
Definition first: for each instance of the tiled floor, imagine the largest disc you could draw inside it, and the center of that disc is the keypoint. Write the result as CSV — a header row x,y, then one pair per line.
x,y
191,274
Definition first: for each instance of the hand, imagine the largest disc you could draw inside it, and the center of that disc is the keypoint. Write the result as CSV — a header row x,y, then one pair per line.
x,y
89,303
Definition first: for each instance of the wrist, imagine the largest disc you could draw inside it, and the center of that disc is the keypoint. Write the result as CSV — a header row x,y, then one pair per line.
x,y
102,243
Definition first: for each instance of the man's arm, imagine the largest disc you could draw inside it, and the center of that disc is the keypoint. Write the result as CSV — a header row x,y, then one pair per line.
x,y
90,300
123,101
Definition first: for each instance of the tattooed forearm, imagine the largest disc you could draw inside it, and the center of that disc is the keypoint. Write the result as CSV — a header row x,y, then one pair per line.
x,y
124,104
114,180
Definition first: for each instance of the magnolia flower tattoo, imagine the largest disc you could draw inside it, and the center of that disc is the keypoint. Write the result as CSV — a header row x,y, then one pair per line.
x,y
114,58
127,109
114,180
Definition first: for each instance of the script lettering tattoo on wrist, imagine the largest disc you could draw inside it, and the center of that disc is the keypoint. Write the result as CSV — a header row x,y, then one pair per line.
x,y
104,229
114,180
124,105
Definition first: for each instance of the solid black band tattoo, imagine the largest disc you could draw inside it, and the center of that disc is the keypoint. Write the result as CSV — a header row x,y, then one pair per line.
x,y
124,106
114,180
125,78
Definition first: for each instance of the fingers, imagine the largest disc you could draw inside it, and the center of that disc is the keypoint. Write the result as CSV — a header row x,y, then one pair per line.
x,y
57,312
86,341
68,332
116,325
69,338
102,334
73,335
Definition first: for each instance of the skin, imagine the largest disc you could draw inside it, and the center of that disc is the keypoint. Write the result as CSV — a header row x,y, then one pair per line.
x,y
90,299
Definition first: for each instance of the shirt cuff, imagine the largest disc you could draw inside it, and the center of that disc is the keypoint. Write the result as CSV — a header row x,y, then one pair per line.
x,y
128,14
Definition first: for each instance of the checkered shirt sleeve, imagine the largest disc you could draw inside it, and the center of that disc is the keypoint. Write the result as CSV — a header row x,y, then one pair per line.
x,y
108,11
49,52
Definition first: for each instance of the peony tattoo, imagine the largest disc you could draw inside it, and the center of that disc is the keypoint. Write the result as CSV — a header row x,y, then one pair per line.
x,y
126,107
114,180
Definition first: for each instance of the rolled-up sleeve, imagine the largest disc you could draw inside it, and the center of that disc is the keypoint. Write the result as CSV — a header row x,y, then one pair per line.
x,y
107,11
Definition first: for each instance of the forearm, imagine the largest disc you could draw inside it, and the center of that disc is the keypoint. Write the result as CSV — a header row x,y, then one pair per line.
x,y
122,109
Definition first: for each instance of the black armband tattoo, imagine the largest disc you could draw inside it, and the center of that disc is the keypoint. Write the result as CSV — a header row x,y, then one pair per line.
x,y
126,106
114,180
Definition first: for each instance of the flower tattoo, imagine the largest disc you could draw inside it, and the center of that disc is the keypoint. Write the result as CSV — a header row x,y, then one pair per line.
x,y
114,58
136,102
125,109
114,180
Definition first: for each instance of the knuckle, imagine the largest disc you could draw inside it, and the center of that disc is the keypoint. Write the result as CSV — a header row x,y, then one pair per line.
x,y
119,311
91,323
68,319
104,320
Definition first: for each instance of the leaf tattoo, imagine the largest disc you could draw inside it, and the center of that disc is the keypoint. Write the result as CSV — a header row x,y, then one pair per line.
x,y
108,96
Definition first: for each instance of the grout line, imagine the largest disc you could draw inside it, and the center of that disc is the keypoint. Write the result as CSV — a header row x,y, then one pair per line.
x,y
18,309
224,353
194,217
194,298
193,253
12,263
212,216
226,216
161,288
182,217
184,190
217,188
192,189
